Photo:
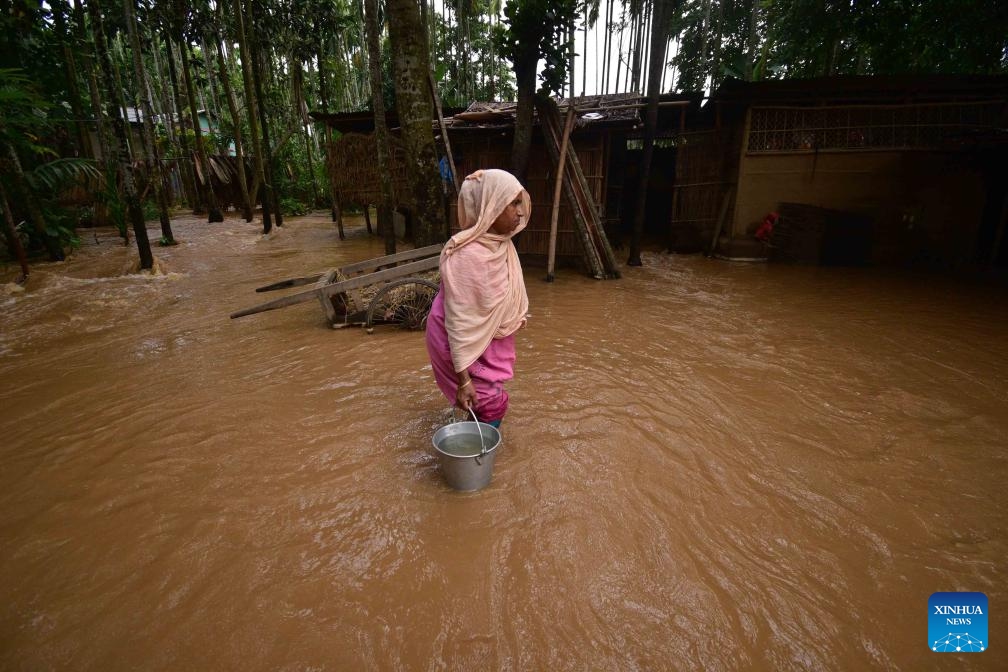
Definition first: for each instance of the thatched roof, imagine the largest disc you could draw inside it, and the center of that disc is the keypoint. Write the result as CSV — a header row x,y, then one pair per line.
x,y
620,109
616,110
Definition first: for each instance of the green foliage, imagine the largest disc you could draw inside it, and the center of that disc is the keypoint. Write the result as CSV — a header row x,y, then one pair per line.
x,y
150,210
59,174
815,38
60,225
23,116
462,77
24,125
293,207
296,178
534,33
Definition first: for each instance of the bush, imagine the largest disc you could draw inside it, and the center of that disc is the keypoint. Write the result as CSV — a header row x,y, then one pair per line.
x,y
293,207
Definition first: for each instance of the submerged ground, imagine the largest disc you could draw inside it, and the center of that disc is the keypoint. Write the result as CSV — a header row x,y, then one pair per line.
x,y
706,465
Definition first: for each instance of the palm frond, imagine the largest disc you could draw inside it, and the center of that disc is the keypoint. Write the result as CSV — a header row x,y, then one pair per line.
x,y
57,175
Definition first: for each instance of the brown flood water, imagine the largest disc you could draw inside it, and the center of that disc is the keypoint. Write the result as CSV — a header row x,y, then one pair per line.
x,y
706,466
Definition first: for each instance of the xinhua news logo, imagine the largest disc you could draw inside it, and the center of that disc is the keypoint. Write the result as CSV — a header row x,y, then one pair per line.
x,y
957,622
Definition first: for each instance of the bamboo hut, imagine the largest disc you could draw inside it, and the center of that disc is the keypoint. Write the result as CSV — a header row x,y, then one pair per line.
x,y
860,170
481,136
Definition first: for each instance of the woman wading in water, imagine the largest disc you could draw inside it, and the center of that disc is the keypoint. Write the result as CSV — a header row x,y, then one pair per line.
x,y
482,300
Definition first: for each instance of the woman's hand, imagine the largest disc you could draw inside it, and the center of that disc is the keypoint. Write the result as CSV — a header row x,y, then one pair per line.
x,y
465,397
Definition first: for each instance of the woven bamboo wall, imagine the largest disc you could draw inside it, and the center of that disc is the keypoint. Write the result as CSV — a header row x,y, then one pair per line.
x,y
701,182
474,152
354,170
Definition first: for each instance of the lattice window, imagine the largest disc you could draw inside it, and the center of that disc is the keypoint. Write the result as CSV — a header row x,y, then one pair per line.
x,y
805,129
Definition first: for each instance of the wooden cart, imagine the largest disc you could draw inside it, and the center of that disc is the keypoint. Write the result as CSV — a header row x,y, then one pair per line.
x,y
384,290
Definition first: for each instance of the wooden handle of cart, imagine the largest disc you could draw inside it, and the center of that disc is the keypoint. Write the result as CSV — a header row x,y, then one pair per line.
x,y
358,267
386,275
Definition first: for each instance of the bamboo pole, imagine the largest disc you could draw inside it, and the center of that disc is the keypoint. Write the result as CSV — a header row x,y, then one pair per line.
x,y
558,185
549,116
444,130
594,227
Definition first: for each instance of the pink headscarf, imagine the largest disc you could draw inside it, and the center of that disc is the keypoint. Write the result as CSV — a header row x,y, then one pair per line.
x,y
485,294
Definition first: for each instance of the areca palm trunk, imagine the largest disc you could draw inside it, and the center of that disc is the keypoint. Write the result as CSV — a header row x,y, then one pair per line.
x,y
381,134
193,195
133,210
269,186
416,110
659,39
13,240
251,105
213,209
751,41
715,64
166,113
238,135
70,62
302,111
327,144
153,155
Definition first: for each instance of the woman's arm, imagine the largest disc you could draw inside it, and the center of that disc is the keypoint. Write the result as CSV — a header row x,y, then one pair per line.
x,y
465,397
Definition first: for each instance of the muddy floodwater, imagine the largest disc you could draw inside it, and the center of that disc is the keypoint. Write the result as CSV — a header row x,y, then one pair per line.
x,y
706,466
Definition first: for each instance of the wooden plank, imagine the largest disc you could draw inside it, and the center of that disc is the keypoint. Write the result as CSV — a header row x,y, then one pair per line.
x,y
293,282
344,286
357,267
408,255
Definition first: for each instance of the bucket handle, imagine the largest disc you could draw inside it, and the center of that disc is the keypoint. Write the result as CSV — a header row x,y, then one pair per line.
x,y
483,448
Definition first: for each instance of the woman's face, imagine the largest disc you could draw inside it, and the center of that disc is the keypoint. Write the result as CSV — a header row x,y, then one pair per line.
x,y
509,220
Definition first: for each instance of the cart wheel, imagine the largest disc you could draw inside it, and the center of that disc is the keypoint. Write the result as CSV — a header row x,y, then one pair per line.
x,y
404,302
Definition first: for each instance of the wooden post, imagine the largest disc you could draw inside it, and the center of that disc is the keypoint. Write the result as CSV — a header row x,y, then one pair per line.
x,y
557,186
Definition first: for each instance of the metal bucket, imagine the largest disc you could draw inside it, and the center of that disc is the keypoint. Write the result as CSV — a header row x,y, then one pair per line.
x,y
466,452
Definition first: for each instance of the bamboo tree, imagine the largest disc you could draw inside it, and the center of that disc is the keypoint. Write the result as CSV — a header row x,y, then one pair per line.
x,y
133,209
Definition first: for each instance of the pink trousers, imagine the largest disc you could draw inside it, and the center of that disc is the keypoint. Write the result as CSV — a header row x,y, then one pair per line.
x,y
488,373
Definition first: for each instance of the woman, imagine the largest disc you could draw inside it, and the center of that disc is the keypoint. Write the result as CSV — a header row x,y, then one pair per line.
x,y
482,300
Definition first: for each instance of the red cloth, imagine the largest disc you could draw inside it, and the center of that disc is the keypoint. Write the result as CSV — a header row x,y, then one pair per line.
x,y
766,228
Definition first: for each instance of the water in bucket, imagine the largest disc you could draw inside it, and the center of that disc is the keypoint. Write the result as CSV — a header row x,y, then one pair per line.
x,y
462,445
